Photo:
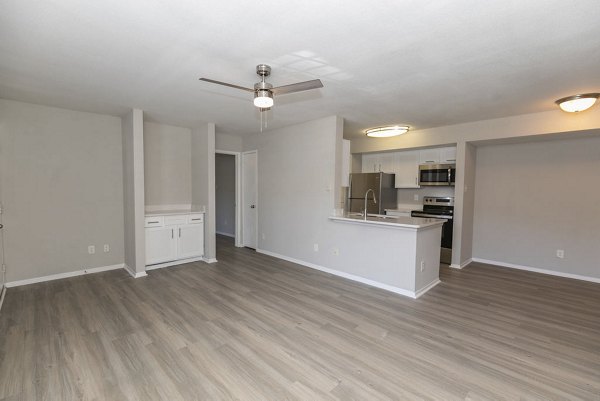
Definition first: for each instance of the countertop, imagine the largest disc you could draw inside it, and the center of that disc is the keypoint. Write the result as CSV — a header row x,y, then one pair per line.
x,y
400,222
173,212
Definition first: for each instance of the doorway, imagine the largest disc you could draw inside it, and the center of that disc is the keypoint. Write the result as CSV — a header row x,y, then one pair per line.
x,y
228,221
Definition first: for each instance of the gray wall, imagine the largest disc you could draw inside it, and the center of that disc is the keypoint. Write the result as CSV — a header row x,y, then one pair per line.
x,y
231,143
534,198
133,191
225,194
62,189
167,165
203,182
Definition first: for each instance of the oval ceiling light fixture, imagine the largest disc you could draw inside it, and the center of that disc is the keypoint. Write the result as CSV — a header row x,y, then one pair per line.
x,y
384,132
577,103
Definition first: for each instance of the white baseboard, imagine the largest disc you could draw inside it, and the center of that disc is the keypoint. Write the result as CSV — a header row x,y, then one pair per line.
x,y
427,287
538,270
174,263
209,260
63,275
2,294
372,283
132,273
462,265
225,234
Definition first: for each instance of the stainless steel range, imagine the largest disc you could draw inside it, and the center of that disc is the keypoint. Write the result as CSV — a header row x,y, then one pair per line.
x,y
440,208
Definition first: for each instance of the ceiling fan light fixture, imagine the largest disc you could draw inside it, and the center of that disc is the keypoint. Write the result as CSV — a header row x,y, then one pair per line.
x,y
387,131
263,99
577,103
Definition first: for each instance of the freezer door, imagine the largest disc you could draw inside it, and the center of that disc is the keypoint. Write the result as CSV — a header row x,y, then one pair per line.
x,y
361,182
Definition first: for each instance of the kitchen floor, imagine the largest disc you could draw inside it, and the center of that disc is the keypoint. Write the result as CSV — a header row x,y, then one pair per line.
x,y
252,327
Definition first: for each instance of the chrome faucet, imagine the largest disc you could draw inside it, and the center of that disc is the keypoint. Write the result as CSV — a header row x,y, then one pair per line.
x,y
366,197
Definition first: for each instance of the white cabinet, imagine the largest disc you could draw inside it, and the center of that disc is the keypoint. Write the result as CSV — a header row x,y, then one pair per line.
x,y
406,168
378,162
161,245
174,237
438,155
448,155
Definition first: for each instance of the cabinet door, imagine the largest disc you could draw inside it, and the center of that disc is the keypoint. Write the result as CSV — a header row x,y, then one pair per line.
x,y
429,156
448,155
161,245
387,162
370,163
407,169
190,241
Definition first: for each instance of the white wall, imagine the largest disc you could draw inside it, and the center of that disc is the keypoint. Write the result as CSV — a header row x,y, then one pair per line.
x,y
225,194
534,198
62,189
228,142
167,165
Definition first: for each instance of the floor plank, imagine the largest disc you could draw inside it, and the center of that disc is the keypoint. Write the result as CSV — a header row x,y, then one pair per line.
x,y
252,327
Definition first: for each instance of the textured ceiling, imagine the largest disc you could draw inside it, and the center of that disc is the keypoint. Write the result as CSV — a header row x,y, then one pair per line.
x,y
424,64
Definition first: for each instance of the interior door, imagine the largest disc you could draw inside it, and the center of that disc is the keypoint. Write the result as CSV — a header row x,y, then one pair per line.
x,y
249,198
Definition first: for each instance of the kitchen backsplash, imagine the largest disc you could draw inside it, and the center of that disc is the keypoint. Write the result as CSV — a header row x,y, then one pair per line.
x,y
407,196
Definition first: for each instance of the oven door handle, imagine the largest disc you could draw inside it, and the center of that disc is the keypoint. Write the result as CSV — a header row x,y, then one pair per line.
x,y
435,216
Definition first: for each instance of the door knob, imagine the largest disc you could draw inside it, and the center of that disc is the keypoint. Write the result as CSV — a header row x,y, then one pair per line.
x,y
252,206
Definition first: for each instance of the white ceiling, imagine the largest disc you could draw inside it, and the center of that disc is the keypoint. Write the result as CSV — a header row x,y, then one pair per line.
x,y
419,63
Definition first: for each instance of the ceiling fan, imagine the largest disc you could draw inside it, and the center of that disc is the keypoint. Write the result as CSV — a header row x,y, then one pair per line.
x,y
264,91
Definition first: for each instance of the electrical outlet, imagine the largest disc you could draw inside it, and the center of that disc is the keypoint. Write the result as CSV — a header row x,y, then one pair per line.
x,y
416,197
264,236
91,249
422,265
336,251
560,253
316,247
106,248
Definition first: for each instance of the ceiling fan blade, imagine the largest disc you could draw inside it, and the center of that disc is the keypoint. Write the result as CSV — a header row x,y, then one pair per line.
x,y
297,87
212,81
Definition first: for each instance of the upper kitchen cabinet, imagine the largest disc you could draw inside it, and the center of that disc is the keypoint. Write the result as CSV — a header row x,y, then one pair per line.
x,y
406,169
437,155
378,162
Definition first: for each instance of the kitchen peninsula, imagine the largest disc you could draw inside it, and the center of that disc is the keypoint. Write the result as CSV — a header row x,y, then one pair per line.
x,y
399,254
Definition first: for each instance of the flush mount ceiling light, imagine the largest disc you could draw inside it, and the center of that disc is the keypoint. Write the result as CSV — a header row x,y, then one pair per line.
x,y
384,132
577,103
263,99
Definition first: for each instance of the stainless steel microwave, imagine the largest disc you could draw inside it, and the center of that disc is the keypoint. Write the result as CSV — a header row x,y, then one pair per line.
x,y
437,174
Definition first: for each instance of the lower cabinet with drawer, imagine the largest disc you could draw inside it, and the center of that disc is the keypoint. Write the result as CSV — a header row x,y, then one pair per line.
x,y
174,237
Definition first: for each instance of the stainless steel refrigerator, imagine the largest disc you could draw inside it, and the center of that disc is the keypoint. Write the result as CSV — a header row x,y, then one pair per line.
x,y
381,183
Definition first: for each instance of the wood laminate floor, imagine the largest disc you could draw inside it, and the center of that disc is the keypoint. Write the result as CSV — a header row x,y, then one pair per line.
x,y
252,327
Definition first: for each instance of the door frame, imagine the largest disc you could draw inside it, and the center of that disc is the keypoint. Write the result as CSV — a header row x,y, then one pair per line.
x,y
238,195
256,192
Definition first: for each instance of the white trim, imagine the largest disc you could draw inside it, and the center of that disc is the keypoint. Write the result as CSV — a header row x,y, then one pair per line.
x,y
226,234
243,202
427,287
238,195
538,270
174,263
372,283
209,260
133,273
462,265
165,208
63,275
2,296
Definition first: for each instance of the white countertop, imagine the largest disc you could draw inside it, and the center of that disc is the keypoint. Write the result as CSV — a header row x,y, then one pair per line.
x,y
173,212
400,222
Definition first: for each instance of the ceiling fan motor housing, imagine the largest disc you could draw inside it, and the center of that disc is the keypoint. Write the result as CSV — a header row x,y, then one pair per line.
x,y
263,70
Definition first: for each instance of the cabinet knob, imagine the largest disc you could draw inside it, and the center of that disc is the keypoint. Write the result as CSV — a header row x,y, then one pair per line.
x,y
252,206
